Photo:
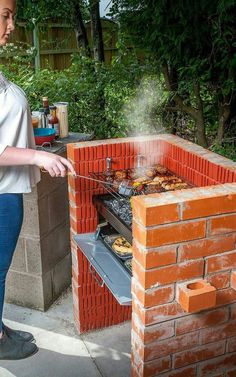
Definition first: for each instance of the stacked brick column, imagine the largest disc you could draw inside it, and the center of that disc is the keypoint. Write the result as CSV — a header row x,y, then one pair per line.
x,y
183,236
94,306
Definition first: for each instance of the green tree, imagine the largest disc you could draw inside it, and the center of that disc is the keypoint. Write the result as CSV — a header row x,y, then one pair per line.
x,y
75,12
96,27
195,49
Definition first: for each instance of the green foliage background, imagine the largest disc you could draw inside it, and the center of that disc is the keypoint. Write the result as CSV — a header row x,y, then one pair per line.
x,y
196,38
196,41
101,97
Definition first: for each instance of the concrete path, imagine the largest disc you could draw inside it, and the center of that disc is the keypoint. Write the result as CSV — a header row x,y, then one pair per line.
x,y
63,353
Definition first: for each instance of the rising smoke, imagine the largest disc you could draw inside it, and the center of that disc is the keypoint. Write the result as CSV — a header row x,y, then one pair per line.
x,y
143,112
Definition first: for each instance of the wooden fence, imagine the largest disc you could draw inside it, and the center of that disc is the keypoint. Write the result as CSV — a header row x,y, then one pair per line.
x,y
55,43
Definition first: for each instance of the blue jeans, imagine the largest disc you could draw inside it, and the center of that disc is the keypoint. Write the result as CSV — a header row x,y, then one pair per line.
x,y
11,217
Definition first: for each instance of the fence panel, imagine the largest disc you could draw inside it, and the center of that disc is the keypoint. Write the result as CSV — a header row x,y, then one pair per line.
x,y
56,42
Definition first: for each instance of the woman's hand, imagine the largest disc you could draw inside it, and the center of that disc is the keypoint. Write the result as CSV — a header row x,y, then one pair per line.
x,y
56,165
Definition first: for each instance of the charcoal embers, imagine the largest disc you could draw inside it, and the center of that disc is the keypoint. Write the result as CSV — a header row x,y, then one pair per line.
x,y
121,208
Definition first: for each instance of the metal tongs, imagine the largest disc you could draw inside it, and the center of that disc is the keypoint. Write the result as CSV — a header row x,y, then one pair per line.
x,y
124,189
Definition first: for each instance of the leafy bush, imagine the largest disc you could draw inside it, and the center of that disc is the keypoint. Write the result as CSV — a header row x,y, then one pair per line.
x,y
125,98
101,98
227,149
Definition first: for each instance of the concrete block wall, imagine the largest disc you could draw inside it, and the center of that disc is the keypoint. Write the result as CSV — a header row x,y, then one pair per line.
x,y
41,267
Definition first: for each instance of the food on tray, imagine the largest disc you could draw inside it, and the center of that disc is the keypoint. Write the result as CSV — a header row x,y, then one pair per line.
x,y
139,188
136,184
164,178
153,183
174,185
150,172
151,188
120,175
160,169
142,180
146,180
121,246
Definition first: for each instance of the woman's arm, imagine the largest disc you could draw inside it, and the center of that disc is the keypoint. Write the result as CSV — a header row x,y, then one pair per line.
x,y
56,165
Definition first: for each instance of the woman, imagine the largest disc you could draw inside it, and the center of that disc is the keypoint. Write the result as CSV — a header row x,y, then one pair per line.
x,y
19,172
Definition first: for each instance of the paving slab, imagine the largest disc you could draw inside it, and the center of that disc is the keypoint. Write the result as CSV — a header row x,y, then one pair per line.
x,y
64,353
110,348
58,356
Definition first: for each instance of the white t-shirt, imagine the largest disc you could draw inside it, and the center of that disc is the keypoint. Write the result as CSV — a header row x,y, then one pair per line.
x,y
16,131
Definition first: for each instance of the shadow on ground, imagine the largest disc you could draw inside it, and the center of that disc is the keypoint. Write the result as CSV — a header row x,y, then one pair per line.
x,y
63,352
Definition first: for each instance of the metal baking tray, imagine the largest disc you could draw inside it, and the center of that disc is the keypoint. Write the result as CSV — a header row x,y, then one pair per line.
x,y
109,268
105,229
109,240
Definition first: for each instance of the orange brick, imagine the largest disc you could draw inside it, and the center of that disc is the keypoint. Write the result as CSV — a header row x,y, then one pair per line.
x,y
157,314
169,346
153,297
201,320
185,372
149,334
72,152
218,364
159,332
72,196
225,296
206,247
137,346
221,262
233,280
223,224
199,353
231,345
218,333
233,311
214,205
169,234
79,199
150,258
150,212
219,281
151,368
196,296
135,372
168,274
75,226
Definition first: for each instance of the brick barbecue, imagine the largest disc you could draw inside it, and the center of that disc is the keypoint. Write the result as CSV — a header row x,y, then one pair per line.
x,y
184,258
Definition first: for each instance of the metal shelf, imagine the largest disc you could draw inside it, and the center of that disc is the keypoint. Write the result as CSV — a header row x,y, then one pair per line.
x,y
112,273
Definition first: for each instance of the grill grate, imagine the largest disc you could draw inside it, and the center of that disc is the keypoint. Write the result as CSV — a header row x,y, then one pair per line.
x,y
132,182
